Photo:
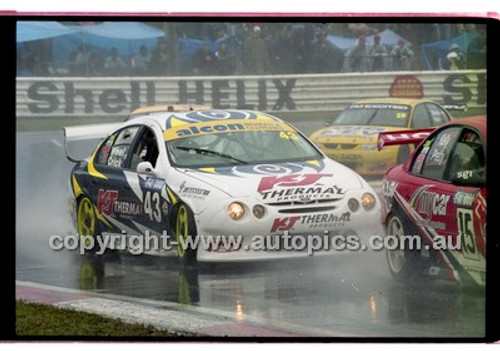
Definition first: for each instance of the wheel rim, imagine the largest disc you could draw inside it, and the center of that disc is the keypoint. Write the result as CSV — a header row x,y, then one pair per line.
x,y
86,220
396,257
181,230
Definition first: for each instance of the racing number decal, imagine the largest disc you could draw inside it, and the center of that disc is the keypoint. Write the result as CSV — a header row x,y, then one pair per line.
x,y
288,135
152,205
466,231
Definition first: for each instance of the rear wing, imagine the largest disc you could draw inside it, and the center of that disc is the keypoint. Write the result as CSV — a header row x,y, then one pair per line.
x,y
457,107
414,136
87,132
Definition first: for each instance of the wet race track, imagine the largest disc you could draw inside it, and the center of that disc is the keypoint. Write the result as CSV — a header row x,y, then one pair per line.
x,y
350,294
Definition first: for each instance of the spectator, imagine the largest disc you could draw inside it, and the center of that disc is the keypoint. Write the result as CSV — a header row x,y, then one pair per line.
x,y
281,54
357,57
139,65
80,66
256,56
94,65
159,59
301,50
113,64
204,61
378,53
454,59
401,56
225,60
36,62
325,57
476,53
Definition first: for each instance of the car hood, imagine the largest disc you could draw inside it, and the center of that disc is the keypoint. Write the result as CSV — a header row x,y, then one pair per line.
x,y
355,134
284,182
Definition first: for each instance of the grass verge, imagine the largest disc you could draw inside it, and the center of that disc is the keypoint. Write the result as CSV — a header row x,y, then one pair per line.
x,y
40,320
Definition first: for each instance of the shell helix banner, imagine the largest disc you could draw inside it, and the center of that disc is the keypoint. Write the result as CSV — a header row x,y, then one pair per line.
x,y
88,97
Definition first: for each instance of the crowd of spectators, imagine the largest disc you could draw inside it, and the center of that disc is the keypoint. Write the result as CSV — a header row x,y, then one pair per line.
x,y
273,48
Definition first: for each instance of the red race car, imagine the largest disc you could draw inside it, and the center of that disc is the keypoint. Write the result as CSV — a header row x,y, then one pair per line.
x,y
434,207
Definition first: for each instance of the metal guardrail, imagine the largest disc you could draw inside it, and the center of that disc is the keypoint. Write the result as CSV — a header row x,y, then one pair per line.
x,y
98,97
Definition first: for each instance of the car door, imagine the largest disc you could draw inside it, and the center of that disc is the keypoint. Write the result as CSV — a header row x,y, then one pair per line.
x,y
108,183
449,202
146,185
431,200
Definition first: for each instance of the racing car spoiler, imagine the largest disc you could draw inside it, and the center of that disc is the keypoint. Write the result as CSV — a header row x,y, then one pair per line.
x,y
414,136
87,132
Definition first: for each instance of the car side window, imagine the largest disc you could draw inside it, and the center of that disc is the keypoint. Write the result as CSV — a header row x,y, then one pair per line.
x,y
437,114
116,149
420,117
468,156
103,153
436,154
145,149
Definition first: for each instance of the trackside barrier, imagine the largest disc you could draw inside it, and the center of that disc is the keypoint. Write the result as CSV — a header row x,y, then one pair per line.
x,y
101,97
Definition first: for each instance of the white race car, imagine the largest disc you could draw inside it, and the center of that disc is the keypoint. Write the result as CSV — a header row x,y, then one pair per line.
x,y
220,174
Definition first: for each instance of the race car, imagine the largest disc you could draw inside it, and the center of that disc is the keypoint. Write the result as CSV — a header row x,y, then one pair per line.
x,y
438,198
217,173
352,137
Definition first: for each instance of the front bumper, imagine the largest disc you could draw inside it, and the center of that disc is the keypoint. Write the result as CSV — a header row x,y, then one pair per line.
x,y
314,227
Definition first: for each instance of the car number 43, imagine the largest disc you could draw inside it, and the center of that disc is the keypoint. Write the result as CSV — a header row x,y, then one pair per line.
x,y
152,205
465,220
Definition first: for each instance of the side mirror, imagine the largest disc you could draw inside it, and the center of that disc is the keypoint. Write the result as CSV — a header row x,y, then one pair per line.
x,y
472,178
145,168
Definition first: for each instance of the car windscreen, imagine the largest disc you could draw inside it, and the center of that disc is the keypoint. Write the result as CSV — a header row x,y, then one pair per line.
x,y
374,114
234,148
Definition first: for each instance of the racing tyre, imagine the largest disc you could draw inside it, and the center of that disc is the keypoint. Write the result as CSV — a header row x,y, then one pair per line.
x,y
402,262
87,222
403,154
184,227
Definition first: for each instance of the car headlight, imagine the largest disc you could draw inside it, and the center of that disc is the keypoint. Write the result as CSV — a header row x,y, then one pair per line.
x,y
367,201
258,211
353,204
235,210
368,147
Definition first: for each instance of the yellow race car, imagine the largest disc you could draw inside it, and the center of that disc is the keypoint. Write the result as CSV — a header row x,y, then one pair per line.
x,y
351,138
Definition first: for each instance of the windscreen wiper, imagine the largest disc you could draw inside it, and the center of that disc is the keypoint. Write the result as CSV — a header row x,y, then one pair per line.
x,y
210,152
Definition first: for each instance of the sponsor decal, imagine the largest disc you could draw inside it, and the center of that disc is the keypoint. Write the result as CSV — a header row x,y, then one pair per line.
x,y
106,201
117,156
214,127
429,203
389,187
297,187
464,199
465,174
379,106
154,184
286,223
291,180
128,208
191,192
406,86
315,221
